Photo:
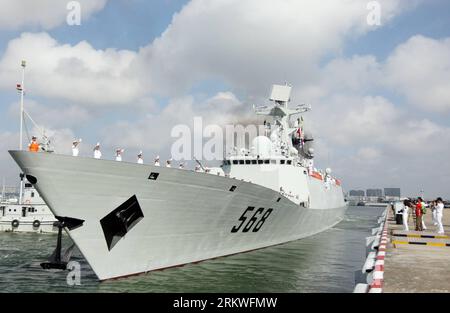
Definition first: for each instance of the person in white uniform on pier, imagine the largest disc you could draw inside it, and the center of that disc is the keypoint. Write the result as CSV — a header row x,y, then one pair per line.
x,y
75,149
140,158
119,155
97,152
169,163
405,215
439,215
157,161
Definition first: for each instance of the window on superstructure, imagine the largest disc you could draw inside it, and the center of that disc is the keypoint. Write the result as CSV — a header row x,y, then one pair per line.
x,y
289,162
253,162
260,161
282,162
235,162
241,162
248,162
273,161
266,161
32,194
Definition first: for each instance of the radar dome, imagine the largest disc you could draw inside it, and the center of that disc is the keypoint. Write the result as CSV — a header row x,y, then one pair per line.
x,y
262,146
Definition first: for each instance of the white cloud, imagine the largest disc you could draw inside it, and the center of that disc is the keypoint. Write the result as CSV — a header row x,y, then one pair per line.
x,y
45,14
420,69
152,132
245,44
250,44
52,116
76,73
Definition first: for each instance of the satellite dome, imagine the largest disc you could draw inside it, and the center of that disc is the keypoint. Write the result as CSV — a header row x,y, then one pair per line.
x,y
262,146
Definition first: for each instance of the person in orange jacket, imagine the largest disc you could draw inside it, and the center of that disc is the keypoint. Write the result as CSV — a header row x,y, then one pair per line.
x,y
34,145
419,214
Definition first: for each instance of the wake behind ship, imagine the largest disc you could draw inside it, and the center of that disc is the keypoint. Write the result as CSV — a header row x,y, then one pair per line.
x,y
130,218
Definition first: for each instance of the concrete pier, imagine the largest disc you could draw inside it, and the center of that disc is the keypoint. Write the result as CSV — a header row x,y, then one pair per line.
x,y
417,262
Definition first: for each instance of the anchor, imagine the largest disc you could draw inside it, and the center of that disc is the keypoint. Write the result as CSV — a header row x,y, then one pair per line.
x,y
56,260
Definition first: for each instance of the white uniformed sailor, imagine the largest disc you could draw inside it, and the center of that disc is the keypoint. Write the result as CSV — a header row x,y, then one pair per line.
x,y
157,161
97,152
75,149
197,168
405,215
140,158
310,166
169,163
439,214
424,205
119,154
181,166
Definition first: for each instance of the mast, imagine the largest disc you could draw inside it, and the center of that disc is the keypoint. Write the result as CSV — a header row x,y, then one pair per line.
x,y
23,64
281,112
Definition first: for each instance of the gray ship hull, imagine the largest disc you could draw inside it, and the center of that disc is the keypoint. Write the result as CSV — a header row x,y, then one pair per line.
x,y
138,218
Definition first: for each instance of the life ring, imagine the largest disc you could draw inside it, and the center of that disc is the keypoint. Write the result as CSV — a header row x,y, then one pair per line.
x,y
15,223
36,223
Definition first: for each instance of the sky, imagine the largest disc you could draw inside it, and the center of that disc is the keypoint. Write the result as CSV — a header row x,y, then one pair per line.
x,y
133,69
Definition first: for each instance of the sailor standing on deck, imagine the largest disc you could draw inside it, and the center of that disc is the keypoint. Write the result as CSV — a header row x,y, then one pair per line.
x,y
34,145
140,158
75,150
119,154
97,152
169,163
157,161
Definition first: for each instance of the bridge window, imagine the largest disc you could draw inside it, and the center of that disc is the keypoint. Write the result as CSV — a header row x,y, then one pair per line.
x,y
235,162
253,162
289,162
241,162
260,161
282,162
273,161
266,161
247,162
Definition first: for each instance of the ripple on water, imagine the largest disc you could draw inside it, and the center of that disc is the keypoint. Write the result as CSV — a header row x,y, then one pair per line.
x,y
322,263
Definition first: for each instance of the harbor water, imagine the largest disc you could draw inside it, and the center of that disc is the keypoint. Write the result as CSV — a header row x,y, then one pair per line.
x,y
325,262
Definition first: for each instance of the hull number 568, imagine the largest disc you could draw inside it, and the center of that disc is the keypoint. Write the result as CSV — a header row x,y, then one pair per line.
x,y
255,222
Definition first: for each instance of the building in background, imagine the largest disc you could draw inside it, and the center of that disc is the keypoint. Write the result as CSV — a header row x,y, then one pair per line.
x,y
357,193
374,195
392,193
